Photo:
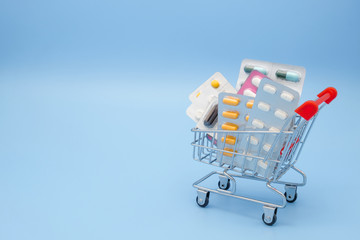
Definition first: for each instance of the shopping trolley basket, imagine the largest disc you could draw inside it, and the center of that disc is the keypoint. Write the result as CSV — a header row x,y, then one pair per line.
x,y
279,158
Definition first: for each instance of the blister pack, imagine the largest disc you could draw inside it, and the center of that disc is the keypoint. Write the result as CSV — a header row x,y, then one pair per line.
x,y
273,110
234,111
203,109
216,84
274,105
251,84
288,75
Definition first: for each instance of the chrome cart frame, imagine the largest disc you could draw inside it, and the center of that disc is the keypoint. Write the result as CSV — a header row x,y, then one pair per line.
x,y
206,150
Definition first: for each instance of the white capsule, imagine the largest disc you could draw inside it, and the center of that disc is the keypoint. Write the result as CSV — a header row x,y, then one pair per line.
x,y
264,106
280,114
254,141
267,147
269,88
274,129
287,96
257,123
249,93
256,81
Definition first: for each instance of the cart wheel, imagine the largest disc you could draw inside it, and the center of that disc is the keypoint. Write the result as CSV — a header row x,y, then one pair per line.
x,y
269,223
223,186
290,198
206,202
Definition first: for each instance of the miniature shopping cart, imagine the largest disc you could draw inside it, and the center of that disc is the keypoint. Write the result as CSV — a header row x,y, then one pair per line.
x,y
282,156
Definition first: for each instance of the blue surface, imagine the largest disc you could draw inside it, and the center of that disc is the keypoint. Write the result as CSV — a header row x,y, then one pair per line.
x,y
94,139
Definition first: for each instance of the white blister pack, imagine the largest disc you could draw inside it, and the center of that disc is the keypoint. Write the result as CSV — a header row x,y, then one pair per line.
x,y
288,75
203,109
274,105
234,111
273,110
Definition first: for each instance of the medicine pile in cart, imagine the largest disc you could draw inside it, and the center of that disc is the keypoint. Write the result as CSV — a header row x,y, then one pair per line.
x,y
254,131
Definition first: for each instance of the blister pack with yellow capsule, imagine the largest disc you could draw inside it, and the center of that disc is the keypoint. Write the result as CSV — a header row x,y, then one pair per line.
x,y
234,111
204,107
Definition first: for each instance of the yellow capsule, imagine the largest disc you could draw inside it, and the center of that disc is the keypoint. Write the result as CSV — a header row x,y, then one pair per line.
x,y
215,83
229,140
229,126
198,94
247,117
250,104
232,101
231,114
228,154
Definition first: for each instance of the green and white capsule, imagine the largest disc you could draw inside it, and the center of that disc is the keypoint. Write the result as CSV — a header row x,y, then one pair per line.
x,y
249,68
288,75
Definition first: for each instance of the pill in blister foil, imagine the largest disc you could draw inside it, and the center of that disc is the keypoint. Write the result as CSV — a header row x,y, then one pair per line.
x,y
249,93
232,101
257,123
230,126
229,140
287,96
281,114
264,106
269,89
231,114
250,104
288,75
256,81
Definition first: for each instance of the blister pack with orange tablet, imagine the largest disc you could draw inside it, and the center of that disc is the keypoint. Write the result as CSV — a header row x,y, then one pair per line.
x,y
204,108
233,114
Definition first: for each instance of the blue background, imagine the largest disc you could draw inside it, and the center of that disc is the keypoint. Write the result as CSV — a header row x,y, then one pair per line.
x,y
94,139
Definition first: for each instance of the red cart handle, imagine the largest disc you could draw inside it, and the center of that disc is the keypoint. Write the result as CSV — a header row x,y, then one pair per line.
x,y
309,108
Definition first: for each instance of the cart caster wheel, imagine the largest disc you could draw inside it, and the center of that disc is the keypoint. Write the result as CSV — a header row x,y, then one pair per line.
x,y
269,223
224,186
205,203
290,199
